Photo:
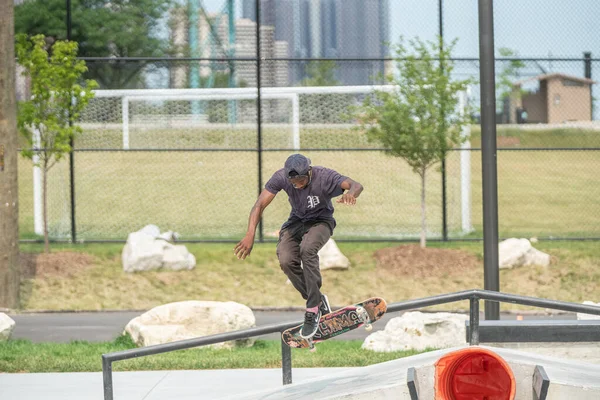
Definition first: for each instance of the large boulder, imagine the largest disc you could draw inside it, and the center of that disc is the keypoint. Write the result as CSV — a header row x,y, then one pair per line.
x,y
7,324
331,257
419,331
148,249
191,319
513,253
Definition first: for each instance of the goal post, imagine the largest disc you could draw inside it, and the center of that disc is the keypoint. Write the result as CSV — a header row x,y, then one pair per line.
x,y
115,111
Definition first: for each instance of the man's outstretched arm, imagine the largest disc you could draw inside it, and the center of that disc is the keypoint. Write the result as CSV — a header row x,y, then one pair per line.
x,y
244,247
353,190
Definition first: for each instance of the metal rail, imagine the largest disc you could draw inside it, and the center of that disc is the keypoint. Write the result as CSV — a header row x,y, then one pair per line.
x,y
474,296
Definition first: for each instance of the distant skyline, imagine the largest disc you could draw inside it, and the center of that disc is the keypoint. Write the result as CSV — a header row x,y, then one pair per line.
x,y
533,28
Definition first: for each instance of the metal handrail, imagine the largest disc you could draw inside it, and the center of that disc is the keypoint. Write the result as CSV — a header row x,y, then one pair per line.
x,y
473,296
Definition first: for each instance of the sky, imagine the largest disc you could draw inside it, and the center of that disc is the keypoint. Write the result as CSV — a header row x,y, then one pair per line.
x,y
534,28
531,28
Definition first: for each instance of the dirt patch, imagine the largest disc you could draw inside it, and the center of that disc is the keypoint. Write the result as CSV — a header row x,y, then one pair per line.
x,y
64,264
412,260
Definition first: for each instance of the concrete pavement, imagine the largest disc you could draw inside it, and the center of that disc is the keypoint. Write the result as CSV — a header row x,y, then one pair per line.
x,y
63,327
152,385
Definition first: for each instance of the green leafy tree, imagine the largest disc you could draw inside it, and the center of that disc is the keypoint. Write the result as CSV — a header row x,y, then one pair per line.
x,y
103,28
508,74
417,120
57,98
320,73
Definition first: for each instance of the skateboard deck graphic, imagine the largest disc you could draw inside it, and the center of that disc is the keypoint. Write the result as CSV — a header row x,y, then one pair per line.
x,y
338,322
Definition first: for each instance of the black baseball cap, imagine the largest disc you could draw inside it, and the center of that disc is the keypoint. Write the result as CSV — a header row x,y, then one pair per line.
x,y
296,164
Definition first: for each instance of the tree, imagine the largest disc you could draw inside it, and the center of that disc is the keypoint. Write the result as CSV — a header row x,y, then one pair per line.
x,y
417,119
509,72
320,73
57,98
10,274
103,28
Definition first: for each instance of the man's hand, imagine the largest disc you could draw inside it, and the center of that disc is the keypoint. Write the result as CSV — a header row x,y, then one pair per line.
x,y
244,247
347,198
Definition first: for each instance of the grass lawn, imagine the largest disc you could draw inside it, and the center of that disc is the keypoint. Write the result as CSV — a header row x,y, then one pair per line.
x,y
23,356
208,195
101,284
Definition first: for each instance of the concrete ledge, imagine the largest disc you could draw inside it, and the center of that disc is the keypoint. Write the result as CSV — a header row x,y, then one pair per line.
x,y
537,331
390,380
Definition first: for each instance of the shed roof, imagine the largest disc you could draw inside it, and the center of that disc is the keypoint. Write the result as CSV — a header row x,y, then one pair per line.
x,y
555,75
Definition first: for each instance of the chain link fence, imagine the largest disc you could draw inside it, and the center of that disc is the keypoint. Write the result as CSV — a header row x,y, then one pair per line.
x,y
175,139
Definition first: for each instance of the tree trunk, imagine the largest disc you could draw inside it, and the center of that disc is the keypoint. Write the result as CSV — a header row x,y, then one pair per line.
x,y
45,207
10,273
423,212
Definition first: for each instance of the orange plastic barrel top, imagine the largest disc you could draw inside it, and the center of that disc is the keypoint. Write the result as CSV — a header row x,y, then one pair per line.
x,y
473,373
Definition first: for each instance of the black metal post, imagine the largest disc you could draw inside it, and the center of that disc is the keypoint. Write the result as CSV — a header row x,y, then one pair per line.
x,y
72,144
444,200
491,279
474,321
587,62
259,112
107,378
286,363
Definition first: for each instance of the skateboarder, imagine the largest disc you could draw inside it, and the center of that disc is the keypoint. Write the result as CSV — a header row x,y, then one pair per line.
x,y
309,226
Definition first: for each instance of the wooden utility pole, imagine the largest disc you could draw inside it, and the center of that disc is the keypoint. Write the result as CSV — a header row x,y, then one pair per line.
x,y
10,274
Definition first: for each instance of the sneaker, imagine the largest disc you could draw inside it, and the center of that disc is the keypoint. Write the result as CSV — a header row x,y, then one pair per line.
x,y
325,308
311,324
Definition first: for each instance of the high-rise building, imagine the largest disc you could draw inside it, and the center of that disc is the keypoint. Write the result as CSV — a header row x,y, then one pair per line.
x,y
353,29
213,36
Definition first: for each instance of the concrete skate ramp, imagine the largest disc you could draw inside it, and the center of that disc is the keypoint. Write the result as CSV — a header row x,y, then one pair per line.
x,y
568,379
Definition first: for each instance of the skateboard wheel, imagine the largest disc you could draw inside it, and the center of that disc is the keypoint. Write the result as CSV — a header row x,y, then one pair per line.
x,y
363,315
368,327
313,350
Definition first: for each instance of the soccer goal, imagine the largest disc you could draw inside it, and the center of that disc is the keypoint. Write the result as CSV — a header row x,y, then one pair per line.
x,y
292,118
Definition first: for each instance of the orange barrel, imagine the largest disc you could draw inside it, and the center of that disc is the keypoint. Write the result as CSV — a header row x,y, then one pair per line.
x,y
473,373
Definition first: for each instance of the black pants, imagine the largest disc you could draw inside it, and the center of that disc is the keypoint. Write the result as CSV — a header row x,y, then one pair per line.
x,y
297,251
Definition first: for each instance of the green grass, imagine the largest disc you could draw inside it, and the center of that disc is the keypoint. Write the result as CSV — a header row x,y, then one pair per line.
x,y
544,138
24,356
208,195
258,281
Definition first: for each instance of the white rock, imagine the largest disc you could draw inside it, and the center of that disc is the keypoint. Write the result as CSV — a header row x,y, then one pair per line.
x,y
191,319
151,230
513,253
536,257
330,257
589,316
177,257
169,236
147,250
418,331
7,324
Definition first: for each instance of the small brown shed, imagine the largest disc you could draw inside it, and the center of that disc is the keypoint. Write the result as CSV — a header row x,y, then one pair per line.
x,y
559,98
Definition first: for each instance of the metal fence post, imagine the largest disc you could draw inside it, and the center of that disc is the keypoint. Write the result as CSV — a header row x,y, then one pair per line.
x,y
107,375
72,144
489,173
474,321
259,113
587,70
444,200
286,363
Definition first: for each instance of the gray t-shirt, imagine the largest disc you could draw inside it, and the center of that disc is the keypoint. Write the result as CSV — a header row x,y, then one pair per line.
x,y
313,203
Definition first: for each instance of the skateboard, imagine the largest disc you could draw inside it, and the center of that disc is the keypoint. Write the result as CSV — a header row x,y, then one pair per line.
x,y
338,322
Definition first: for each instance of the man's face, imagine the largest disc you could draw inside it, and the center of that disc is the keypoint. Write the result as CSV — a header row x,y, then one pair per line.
x,y
299,181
